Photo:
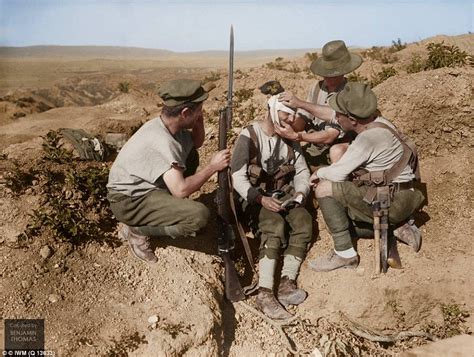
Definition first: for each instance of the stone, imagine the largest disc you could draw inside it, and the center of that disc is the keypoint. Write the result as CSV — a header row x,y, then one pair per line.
x,y
153,319
46,252
53,298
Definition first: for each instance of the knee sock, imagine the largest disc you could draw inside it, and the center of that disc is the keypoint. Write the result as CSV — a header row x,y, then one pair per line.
x,y
291,266
337,222
266,272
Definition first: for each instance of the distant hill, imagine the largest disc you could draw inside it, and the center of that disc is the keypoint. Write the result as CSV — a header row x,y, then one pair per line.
x,y
132,52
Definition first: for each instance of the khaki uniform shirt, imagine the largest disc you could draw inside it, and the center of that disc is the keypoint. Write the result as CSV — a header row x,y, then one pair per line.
x,y
146,156
374,149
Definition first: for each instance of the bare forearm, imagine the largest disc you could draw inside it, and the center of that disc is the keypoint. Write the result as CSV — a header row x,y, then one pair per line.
x,y
193,183
323,112
319,137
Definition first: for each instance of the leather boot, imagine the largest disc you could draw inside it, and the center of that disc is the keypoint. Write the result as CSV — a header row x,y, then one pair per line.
x,y
289,294
332,261
409,234
139,244
269,305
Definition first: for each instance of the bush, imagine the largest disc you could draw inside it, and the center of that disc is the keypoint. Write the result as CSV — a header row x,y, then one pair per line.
x,y
311,56
243,94
397,45
73,204
416,65
124,87
213,77
441,55
53,150
380,54
381,76
16,178
356,77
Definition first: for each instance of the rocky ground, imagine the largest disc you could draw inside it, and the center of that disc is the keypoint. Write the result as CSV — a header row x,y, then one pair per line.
x,y
97,299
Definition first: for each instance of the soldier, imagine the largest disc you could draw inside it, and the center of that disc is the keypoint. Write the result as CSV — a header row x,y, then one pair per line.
x,y
155,171
378,149
322,130
272,179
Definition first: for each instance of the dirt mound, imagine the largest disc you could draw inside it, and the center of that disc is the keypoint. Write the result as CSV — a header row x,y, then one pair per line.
x,y
433,107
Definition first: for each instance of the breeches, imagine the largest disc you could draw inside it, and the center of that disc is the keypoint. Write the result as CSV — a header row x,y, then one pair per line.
x,y
158,209
291,230
350,196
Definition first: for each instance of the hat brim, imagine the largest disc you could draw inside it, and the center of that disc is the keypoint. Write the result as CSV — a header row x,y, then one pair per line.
x,y
318,66
333,104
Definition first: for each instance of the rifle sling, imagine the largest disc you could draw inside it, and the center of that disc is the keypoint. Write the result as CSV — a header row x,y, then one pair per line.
x,y
248,252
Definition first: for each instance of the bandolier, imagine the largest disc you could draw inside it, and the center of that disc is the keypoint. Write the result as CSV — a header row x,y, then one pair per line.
x,y
270,182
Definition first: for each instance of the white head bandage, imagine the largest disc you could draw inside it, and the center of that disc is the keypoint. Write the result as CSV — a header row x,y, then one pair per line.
x,y
276,106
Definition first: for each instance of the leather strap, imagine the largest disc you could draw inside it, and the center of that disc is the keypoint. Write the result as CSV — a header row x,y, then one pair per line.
x,y
248,252
410,155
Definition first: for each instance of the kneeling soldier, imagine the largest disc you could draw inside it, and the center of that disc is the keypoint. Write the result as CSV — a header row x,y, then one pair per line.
x,y
272,179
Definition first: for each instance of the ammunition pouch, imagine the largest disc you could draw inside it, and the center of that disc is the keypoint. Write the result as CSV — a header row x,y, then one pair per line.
x,y
268,183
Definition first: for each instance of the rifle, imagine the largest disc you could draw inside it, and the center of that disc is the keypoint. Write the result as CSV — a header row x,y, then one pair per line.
x,y
226,237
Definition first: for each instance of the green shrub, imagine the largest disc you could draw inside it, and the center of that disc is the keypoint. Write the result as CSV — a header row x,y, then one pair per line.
x,y
124,87
416,65
243,94
53,150
18,179
213,77
397,45
441,55
311,56
73,205
381,76
380,54
356,77
454,322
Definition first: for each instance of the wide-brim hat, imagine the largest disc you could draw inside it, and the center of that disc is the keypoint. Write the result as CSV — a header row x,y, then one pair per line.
x,y
356,100
336,60
181,91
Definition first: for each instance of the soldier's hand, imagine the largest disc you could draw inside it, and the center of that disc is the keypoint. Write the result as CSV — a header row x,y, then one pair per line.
x,y
220,160
286,131
314,179
271,204
289,99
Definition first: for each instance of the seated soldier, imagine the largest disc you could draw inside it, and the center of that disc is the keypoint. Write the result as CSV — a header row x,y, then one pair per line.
x,y
272,179
324,137
379,150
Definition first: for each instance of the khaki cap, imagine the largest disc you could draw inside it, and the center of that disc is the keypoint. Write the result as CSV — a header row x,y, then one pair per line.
x,y
356,100
182,91
336,60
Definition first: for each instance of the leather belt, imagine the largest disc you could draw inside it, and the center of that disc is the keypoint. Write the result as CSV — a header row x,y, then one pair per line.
x,y
399,186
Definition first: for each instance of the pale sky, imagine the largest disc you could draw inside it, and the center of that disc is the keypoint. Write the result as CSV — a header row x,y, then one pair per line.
x,y
194,25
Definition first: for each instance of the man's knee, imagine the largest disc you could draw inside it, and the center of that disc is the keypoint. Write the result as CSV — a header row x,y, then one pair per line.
x,y
199,215
323,189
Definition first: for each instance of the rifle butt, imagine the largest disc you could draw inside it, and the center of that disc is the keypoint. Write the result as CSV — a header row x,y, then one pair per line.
x,y
233,289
